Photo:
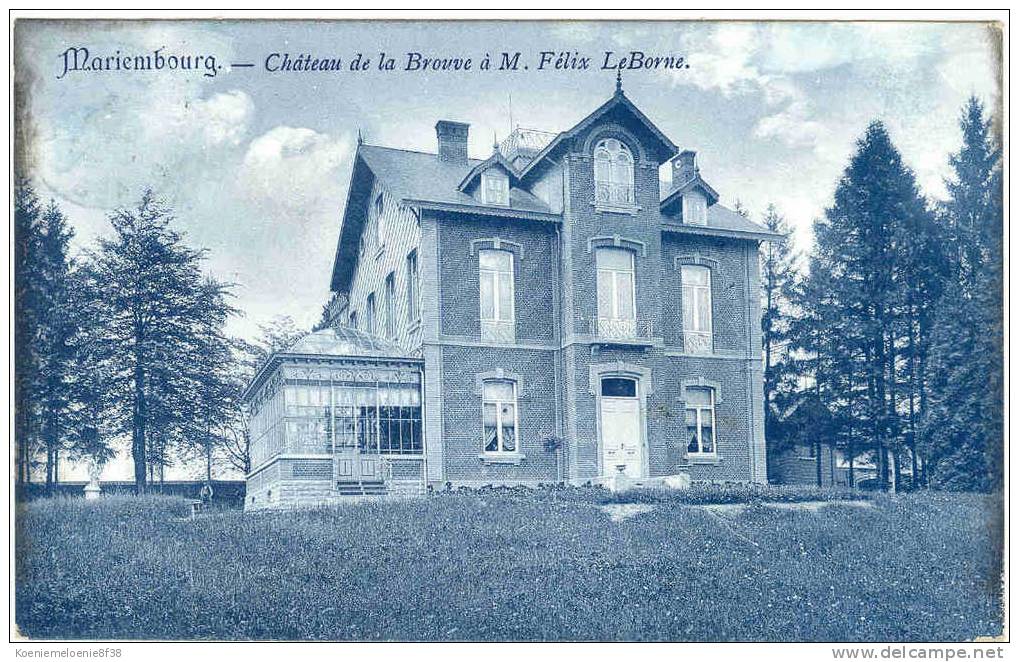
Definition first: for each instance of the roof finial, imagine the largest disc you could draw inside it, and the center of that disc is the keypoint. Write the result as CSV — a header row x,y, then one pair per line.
x,y
495,142
360,138
619,80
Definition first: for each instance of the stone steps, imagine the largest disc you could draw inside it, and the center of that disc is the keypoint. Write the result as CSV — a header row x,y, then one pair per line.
x,y
361,488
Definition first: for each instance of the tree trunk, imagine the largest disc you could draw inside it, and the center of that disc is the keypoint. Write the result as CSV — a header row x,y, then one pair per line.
x,y
879,412
21,430
138,429
50,438
49,470
208,456
892,427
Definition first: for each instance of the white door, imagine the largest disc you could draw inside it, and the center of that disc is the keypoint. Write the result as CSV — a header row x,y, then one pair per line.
x,y
622,450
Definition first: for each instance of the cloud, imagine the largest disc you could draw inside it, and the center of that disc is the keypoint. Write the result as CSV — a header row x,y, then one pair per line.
x,y
792,123
295,171
224,118
722,58
122,145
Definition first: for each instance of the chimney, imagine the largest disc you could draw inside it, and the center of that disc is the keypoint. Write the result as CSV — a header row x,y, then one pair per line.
x,y
684,167
452,140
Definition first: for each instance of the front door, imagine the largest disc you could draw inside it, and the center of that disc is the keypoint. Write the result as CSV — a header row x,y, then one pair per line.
x,y
357,446
622,439
353,466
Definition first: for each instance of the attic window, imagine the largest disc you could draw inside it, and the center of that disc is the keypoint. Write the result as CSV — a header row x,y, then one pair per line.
x,y
494,188
695,208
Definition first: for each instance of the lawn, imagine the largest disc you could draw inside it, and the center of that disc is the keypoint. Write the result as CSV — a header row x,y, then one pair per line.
x,y
498,566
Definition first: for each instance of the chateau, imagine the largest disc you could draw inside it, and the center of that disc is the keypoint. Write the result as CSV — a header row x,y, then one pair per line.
x,y
548,314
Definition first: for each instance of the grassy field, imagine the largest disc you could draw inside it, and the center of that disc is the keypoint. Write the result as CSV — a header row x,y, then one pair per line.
x,y
510,567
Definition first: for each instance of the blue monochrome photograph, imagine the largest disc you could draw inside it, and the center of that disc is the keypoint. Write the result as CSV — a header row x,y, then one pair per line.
x,y
508,331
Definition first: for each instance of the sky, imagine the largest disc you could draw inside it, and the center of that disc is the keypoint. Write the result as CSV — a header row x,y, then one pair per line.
x,y
256,163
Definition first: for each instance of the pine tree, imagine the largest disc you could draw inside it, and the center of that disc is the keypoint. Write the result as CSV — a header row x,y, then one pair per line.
x,y
962,426
852,297
972,202
779,273
156,309
27,309
920,273
215,393
92,380
55,331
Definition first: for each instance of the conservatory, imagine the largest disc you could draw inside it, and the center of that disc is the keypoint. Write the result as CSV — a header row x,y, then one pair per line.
x,y
335,415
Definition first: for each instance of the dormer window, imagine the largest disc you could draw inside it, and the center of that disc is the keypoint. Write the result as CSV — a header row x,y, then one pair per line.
x,y
613,174
695,208
494,188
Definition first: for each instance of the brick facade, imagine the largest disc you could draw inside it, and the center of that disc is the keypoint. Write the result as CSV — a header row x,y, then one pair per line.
x,y
557,354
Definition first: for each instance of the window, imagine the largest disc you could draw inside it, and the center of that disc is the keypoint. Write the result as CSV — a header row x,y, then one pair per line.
x,y
613,173
499,415
399,419
390,305
376,418
496,278
695,208
380,206
700,421
353,319
617,306
494,188
369,314
413,308
618,387
697,309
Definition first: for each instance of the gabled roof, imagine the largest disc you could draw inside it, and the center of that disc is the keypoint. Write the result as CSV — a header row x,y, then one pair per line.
x,y
423,177
619,99
419,179
676,194
723,222
496,159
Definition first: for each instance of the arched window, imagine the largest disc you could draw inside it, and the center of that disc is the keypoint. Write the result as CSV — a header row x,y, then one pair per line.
x,y
618,387
613,173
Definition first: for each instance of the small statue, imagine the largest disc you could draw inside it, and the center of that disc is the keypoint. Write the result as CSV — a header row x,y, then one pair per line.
x,y
205,494
93,488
